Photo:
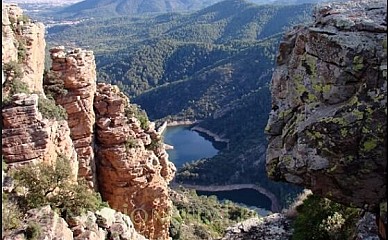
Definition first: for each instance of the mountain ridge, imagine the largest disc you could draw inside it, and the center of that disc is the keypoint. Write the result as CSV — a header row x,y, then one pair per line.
x,y
115,8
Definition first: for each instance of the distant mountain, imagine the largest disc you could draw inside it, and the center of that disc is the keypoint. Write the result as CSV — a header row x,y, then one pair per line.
x,y
110,8
114,8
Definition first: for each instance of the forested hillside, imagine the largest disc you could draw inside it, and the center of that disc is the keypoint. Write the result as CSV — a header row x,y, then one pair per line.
x,y
116,8
213,65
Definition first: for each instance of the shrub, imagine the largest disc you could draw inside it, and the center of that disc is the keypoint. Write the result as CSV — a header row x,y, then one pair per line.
x,y
134,111
53,85
291,212
12,70
17,86
49,109
3,164
22,51
154,144
52,185
319,218
13,73
201,217
33,231
24,18
130,143
11,214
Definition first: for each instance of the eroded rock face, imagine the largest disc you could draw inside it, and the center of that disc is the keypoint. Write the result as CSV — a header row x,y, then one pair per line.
x,y
328,126
9,48
34,60
133,169
27,137
76,70
24,41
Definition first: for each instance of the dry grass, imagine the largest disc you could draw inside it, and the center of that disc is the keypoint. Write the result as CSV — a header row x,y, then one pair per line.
x,y
291,212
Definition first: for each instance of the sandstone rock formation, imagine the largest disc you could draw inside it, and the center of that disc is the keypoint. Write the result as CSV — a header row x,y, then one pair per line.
x,y
328,128
9,48
76,70
23,41
27,137
133,166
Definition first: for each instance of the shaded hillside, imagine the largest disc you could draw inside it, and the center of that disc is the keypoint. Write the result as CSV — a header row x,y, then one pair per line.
x,y
142,53
110,8
212,88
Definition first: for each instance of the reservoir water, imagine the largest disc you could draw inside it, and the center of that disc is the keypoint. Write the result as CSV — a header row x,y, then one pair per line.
x,y
190,145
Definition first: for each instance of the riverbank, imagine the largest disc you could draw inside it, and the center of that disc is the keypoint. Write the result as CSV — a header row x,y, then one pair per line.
x,y
182,123
275,206
215,137
212,135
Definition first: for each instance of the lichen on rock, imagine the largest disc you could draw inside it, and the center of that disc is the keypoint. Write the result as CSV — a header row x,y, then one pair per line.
x,y
327,130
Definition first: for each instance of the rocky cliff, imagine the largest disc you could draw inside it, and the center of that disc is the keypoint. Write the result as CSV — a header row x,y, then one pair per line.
x,y
119,155
27,137
101,129
8,43
327,127
23,41
76,72
133,166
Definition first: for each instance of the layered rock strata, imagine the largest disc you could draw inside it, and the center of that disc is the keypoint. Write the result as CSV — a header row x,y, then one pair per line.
x,y
328,128
133,167
23,41
27,137
76,70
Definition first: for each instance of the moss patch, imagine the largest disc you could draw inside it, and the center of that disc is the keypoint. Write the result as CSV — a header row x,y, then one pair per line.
x,y
370,144
358,63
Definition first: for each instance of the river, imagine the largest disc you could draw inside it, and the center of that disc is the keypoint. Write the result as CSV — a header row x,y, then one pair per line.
x,y
191,145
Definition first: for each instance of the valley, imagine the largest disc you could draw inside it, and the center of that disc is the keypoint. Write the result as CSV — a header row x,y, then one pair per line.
x,y
212,66
257,101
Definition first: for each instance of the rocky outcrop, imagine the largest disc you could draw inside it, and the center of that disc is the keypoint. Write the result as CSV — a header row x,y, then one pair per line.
x,y
76,70
275,226
9,48
328,128
27,137
34,59
103,224
133,166
367,228
23,41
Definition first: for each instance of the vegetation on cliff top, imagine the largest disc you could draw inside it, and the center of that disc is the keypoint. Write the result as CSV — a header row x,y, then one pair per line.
x,y
200,217
43,184
319,218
